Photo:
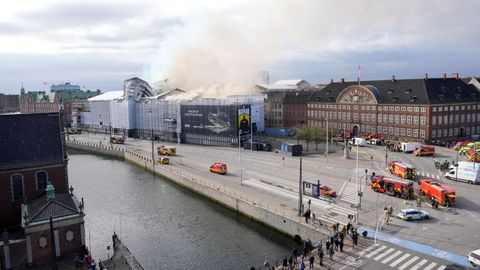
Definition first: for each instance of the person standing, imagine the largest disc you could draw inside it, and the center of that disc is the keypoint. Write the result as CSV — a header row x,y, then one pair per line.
x,y
327,245
285,263
337,243
349,225
295,254
355,238
320,255
341,245
290,262
312,259
331,252
302,266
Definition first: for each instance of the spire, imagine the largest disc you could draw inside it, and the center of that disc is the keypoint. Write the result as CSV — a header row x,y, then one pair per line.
x,y
22,90
50,191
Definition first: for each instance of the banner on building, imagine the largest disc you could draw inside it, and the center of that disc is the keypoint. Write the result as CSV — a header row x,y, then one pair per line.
x,y
208,119
244,120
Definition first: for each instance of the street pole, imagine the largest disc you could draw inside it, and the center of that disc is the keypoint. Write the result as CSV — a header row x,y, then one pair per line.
x,y
251,131
456,169
240,157
386,155
300,184
356,187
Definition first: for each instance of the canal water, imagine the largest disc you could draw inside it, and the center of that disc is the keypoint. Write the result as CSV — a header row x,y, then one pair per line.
x,y
165,226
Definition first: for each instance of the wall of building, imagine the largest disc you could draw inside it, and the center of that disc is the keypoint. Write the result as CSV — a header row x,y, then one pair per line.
x,y
10,214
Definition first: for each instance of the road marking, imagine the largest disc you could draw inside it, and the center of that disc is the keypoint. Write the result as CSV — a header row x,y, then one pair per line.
x,y
384,254
419,264
405,265
376,251
441,267
368,249
392,256
430,266
399,260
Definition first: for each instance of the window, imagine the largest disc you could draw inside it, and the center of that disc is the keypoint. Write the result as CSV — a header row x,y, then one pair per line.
x,y
434,120
385,130
379,108
403,109
362,108
402,132
450,118
469,107
409,132
397,119
355,107
462,118
450,132
463,107
468,118
397,131
457,108
402,119
368,117
372,129
409,120
445,132
445,120
390,130
41,179
390,118
16,182
446,110
380,118
417,109
385,118
397,109
391,108
368,108
415,119
434,109
355,116
455,131
456,118
422,120
409,109
440,109
415,133
423,109
422,133
373,117
434,133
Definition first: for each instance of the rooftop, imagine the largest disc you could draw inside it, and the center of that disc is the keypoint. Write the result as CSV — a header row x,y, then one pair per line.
x,y
107,96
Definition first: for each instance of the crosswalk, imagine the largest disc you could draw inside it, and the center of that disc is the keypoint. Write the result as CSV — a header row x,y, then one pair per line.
x,y
392,257
429,175
348,193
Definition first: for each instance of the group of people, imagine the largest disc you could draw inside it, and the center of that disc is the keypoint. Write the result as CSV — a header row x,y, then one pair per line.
x,y
302,256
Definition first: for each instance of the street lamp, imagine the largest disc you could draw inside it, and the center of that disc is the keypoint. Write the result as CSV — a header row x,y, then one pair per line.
x,y
151,137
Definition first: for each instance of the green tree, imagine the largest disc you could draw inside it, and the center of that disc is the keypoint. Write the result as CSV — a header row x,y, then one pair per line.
x,y
318,135
305,133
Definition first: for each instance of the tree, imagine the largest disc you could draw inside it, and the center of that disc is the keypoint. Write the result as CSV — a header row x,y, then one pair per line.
x,y
304,133
318,135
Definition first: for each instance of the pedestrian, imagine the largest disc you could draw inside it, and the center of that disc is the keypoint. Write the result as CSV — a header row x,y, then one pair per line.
x,y
320,244
312,259
334,227
337,227
320,255
309,245
313,216
344,230
332,240
341,245
302,266
285,263
327,245
337,243
349,225
331,252
295,254
341,236
290,262
305,252
352,229
306,214
355,238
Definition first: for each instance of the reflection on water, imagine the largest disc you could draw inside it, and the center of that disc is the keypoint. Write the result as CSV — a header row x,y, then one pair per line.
x,y
165,226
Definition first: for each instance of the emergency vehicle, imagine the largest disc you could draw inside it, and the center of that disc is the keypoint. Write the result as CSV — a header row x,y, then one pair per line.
x,y
219,167
431,189
403,170
424,150
473,155
392,186
163,160
166,150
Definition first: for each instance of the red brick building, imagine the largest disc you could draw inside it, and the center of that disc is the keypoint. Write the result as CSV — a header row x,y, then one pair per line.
x,y
428,109
295,108
33,155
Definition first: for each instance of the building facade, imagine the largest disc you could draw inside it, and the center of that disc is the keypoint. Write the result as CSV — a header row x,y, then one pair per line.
x,y
295,109
9,103
429,109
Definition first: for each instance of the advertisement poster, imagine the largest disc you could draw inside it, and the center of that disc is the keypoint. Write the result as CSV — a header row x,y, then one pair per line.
x,y
208,119
244,120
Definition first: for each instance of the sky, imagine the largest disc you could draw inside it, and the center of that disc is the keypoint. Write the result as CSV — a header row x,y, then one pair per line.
x,y
224,45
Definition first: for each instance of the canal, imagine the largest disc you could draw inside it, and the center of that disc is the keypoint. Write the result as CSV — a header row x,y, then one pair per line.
x,y
165,226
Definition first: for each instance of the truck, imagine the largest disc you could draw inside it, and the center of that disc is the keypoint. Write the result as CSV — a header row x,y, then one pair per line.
x,y
409,147
424,150
166,150
357,141
432,189
470,146
473,155
404,170
392,186
465,171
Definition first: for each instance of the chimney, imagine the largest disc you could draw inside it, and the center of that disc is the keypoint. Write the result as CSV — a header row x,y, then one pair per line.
x,y
393,78
426,76
456,76
342,80
444,76
331,80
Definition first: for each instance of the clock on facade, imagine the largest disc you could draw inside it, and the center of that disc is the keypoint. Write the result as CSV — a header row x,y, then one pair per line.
x,y
356,95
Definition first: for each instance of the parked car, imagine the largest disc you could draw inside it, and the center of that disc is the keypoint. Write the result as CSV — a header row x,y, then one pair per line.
x,y
413,214
474,257
327,191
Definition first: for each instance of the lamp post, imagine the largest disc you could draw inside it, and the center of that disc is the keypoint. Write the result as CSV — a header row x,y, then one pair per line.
x,y
456,169
151,137
357,188
300,184
326,142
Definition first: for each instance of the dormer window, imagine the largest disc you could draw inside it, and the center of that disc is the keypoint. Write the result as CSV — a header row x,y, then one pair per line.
x,y
444,90
458,97
408,90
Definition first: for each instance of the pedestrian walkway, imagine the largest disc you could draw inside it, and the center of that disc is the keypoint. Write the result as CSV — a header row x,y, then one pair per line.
x,y
393,257
348,193
429,175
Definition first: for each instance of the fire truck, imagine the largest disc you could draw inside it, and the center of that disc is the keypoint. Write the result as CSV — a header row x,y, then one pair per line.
x,y
403,170
431,189
473,155
219,167
392,186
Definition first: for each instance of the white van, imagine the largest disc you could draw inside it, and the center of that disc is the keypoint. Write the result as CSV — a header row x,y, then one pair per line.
x,y
358,141
467,172
409,147
474,258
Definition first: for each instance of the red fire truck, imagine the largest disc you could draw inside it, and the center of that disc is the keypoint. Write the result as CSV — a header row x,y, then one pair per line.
x,y
431,189
392,186
404,170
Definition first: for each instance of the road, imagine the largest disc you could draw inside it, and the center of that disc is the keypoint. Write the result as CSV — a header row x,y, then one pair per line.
x,y
454,230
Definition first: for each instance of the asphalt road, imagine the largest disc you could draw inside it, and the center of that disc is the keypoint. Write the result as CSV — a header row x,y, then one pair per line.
x,y
454,230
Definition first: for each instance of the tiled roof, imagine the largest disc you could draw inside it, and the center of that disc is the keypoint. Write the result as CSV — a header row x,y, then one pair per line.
x,y
299,97
42,208
410,91
30,140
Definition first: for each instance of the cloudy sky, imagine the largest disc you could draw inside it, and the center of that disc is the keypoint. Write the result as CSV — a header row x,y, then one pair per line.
x,y
200,44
